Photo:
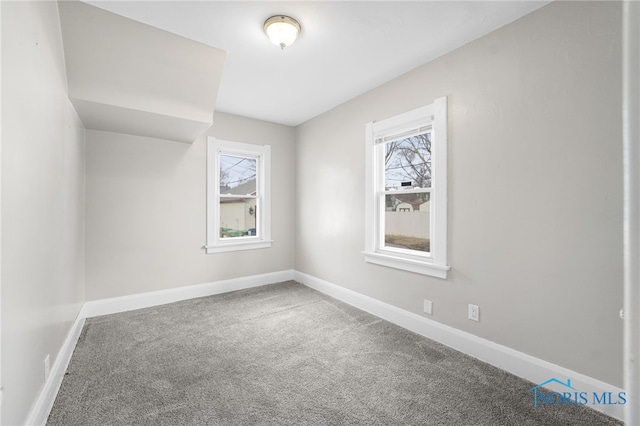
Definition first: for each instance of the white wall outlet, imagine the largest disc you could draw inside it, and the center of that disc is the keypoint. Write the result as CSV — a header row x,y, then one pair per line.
x,y
428,307
47,368
474,312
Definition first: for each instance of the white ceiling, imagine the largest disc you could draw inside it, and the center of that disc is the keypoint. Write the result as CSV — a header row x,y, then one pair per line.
x,y
345,49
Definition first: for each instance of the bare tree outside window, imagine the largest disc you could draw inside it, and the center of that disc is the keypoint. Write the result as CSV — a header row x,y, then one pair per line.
x,y
408,163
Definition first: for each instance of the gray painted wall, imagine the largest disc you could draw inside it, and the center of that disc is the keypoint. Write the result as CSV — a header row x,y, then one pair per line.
x,y
146,210
42,202
535,188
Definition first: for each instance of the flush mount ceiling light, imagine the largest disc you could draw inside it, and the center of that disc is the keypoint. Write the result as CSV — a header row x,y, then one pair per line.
x,y
282,30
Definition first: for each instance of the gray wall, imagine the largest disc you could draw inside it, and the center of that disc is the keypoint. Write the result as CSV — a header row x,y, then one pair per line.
x,y
535,188
146,210
42,202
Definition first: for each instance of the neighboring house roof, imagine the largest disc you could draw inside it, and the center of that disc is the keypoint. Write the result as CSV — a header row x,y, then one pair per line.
x,y
247,188
415,204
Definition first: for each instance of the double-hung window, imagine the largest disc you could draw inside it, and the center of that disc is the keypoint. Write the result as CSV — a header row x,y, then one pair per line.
x,y
406,183
238,196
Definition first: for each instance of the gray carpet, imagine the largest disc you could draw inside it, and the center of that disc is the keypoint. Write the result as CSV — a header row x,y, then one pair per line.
x,y
284,355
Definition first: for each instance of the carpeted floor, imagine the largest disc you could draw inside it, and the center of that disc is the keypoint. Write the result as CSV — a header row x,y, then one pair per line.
x,y
284,355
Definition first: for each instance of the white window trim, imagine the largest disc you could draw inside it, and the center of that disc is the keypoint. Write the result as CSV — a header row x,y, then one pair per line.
x,y
434,264
215,244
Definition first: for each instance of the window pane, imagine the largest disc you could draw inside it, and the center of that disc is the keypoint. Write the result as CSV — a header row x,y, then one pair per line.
x,y
407,163
238,217
237,175
406,221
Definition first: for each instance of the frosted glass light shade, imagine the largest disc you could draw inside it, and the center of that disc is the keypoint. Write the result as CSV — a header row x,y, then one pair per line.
x,y
282,30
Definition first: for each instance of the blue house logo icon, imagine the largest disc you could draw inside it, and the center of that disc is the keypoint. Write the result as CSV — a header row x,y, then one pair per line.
x,y
538,392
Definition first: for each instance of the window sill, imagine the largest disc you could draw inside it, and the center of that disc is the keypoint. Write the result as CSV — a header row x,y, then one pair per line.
x,y
416,266
237,246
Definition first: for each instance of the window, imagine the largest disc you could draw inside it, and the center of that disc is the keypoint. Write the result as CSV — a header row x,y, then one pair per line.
x,y
406,199
238,202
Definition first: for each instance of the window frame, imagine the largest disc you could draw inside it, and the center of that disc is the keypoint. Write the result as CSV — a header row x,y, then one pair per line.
x,y
262,154
435,117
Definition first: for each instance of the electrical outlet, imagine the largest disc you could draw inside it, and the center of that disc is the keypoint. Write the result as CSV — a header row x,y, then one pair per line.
x,y
47,367
474,312
428,307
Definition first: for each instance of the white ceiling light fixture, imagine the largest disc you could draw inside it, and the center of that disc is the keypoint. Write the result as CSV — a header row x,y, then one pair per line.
x,y
282,30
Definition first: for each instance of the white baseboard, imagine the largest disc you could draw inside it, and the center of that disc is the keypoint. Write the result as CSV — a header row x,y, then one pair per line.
x,y
144,300
510,360
43,404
